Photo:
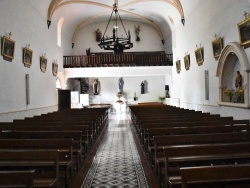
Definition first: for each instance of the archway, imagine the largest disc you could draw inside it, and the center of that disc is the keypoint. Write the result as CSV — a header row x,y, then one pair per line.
x,y
233,58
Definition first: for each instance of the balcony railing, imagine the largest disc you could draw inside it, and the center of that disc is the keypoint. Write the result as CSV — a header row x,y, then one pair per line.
x,y
117,60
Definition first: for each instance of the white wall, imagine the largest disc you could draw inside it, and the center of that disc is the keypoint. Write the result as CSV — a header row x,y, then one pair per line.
x,y
27,21
150,39
154,87
206,19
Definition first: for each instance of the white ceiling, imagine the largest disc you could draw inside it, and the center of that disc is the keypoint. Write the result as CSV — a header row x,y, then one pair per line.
x,y
80,13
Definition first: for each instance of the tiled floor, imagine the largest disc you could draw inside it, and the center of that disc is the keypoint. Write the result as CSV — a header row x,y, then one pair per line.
x,y
117,162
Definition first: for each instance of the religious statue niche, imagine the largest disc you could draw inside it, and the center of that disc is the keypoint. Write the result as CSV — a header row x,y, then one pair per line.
x,y
96,86
142,88
98,35
120,85
137,31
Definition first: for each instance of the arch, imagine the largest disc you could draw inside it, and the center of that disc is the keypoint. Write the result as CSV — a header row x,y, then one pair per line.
x,y
60,77
57,4
84,22
233,48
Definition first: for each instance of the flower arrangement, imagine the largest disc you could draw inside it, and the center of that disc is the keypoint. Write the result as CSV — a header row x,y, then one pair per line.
x,y
229,93
240,94
119,95
240,91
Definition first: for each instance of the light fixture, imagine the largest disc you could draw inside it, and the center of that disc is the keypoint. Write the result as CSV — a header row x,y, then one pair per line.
x,y
183,21
116,43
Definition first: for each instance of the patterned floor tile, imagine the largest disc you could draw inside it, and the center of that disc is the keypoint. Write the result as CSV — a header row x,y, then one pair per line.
x,y
117,163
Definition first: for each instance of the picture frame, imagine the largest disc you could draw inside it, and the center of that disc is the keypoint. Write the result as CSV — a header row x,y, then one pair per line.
x,y
199,56
43,64
178,66
217,47
54,68
8,47
27,57
244,32
187,61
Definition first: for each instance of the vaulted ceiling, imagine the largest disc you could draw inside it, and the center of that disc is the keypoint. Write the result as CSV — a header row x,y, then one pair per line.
x,y
160,14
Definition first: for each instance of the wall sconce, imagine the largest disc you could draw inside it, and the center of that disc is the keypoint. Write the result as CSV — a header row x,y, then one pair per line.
x,y
48,23
183,21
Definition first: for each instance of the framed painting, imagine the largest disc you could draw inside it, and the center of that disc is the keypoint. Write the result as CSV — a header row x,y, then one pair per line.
x,y
8,47
27,57
43,64
217,47
54,68
187,61
178,66
199,56
244,32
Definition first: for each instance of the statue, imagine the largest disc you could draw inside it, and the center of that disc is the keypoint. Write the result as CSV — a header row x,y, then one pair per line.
x,y
98,35
96,86
137,31
88,51
238,80
120,85
142,88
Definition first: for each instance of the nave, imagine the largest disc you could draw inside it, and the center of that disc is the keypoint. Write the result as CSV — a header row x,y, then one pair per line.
x,y
117,162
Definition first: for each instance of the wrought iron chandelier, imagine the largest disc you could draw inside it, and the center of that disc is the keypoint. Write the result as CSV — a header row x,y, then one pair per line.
x,y
116,43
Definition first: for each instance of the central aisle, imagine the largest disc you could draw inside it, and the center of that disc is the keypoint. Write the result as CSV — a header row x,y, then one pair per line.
x,y
117,162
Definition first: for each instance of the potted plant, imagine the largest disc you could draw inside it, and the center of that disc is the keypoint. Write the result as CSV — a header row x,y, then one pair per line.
x,y
161,98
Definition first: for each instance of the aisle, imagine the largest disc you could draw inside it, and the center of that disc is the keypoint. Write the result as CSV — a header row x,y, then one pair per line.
x,y
117,162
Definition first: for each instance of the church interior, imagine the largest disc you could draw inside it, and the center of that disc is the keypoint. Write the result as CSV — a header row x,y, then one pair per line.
x,y
116,94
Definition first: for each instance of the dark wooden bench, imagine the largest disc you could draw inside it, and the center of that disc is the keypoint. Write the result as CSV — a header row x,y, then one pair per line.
x,y
201,155
44,163
162,141
93,131
209,175
64,146
14,178
194,123
76,136
34,127
150,133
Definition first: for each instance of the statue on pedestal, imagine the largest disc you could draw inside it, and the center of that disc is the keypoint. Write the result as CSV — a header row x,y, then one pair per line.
x,y
96,86
142,88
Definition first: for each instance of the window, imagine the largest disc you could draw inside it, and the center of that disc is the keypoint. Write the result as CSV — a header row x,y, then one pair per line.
x,y
59,31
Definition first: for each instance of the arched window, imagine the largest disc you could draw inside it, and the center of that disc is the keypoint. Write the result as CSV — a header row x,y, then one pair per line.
x,y
59,31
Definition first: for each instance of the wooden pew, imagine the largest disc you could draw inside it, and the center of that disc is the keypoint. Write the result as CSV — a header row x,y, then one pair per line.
x,y
74,135
162,141
34,127
16,178
210,175
64,146
92,131
199,121
150,133
201,155
39,160
185,127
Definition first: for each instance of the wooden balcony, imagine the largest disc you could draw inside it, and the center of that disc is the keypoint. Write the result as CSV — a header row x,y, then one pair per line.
x,y
119,60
